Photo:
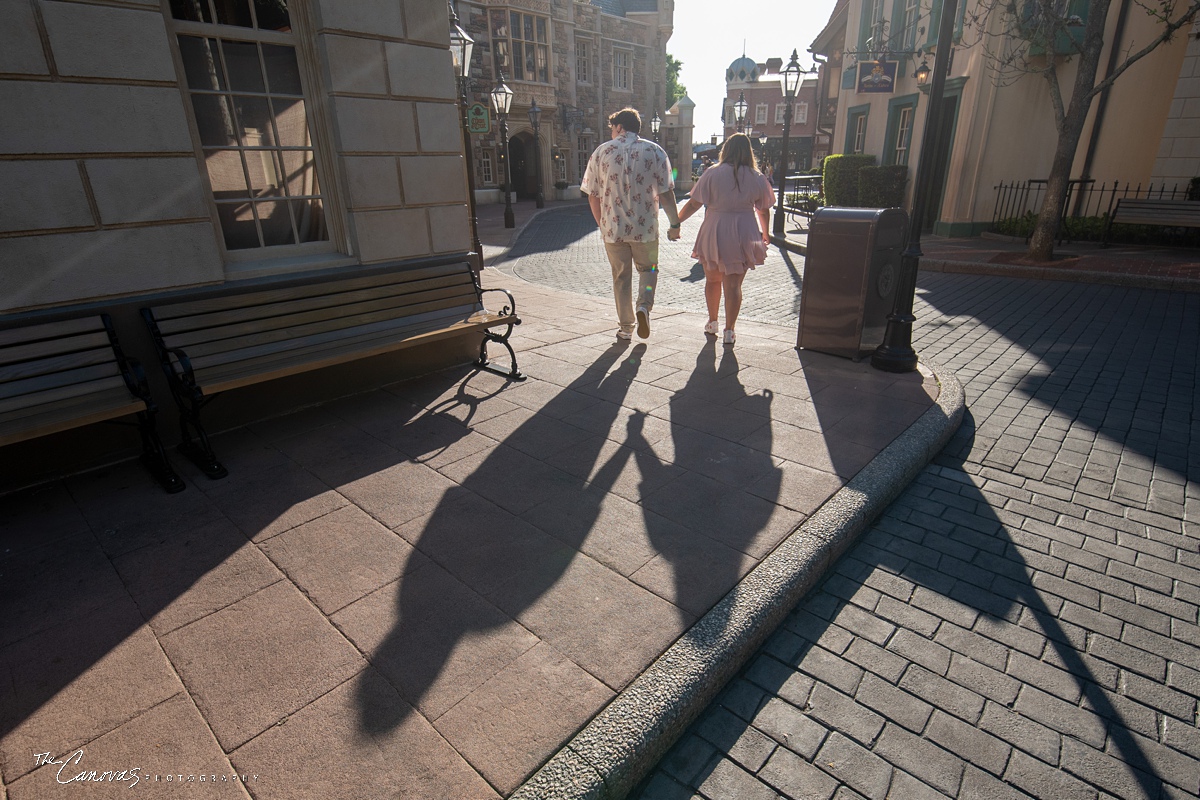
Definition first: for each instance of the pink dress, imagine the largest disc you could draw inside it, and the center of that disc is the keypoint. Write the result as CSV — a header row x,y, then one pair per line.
x,y
729,239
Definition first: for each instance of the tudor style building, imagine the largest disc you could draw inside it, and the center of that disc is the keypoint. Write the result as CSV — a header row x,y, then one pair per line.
x,y
581,60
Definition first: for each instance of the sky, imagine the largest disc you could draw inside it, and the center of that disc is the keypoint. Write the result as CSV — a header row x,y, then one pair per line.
x,y
708,36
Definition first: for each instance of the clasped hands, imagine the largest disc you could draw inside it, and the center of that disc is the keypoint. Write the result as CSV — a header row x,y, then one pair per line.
x,y
673,234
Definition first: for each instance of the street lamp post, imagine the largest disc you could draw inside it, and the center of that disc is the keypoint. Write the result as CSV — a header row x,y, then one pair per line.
x,y
740,109
501,103
790,80
535,114
896,354
655,124
461,47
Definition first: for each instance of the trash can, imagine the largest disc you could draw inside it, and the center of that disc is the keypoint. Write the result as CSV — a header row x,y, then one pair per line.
x,y
850,274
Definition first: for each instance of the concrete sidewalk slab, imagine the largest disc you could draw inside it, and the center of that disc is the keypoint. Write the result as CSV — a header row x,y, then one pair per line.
x,y
431,588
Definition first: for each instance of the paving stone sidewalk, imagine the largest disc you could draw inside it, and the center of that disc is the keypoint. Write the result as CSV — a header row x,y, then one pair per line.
x,y
422,591
1023,621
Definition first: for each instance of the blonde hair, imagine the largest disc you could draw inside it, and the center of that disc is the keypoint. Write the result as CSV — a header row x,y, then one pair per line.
x,y
737,153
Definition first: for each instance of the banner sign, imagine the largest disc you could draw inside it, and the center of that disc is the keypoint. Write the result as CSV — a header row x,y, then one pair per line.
x,y
876,77
478,119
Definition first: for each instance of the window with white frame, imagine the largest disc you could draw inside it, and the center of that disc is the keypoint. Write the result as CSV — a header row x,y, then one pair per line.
x,y
860,134
255,138
560,166
903,135
583,61
622,69
583,151
912,12
760,114
520,45
800,114
487,166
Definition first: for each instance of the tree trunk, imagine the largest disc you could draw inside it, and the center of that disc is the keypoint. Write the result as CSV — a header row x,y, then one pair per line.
x,y
1070,131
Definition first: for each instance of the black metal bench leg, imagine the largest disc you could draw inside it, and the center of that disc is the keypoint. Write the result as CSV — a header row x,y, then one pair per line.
x,y
154,455
197,450
484,364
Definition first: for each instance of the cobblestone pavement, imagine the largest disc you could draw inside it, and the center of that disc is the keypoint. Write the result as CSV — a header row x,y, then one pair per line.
x,y
1023,621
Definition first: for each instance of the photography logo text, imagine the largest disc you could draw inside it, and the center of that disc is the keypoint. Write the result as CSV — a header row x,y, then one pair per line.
x,y
71,769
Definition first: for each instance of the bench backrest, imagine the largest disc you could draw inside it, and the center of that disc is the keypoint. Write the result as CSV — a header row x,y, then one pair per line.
x,y
51,362
238,326
1183,213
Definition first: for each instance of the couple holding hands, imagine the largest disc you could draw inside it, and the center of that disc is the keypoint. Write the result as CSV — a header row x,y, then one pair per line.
x,y
629,178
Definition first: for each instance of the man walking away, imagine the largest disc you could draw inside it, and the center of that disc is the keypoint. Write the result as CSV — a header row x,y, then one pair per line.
x,y
626,180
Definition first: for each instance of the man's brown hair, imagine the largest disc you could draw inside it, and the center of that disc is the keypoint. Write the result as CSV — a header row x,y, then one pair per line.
x,y
627,118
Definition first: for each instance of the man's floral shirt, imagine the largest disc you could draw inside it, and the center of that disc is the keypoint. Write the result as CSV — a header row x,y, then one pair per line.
x,y
628,174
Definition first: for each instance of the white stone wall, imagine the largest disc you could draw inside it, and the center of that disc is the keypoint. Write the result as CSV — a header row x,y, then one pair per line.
x,y
395,119
1179,151
101,191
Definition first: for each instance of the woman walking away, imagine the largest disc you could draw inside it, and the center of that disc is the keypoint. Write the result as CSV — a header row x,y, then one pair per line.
x,y
733,238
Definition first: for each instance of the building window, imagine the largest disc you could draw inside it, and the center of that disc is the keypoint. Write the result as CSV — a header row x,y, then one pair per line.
x,y
583,62
799,113
760,114
908,29
622,70
255,138
520,45
583,152
560,166
487,167
903,135
856,129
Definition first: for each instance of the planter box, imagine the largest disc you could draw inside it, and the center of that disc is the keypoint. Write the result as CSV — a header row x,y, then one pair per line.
x,y
570,193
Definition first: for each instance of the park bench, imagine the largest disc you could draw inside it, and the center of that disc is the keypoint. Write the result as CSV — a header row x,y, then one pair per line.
x,y
1166,213
240,337
64,374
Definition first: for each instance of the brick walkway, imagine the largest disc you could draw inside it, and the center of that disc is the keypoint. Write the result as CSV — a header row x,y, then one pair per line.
x,y
1023,620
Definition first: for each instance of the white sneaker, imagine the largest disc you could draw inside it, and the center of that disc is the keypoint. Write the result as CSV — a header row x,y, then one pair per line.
x,y
643,323
711,327
730,337
624,335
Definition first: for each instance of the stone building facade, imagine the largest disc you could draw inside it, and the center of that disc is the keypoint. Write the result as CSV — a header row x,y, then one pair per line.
x,y
151,147
589,59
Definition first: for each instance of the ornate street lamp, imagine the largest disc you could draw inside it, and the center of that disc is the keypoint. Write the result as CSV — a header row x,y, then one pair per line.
x,y
922,73
896,354
748,129
461,47
501,103
789,79
740,109
535,114
655,124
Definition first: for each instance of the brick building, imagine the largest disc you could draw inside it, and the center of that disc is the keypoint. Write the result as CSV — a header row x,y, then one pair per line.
x,y
759,85
581,60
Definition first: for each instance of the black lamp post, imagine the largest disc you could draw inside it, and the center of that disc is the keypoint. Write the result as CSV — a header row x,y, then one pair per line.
x,y
896,354
501,103
790,81
739,108
461,47
655,124
535,114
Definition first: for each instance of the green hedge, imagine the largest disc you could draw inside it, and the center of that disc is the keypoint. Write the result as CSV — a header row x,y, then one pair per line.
x,y
840,179
882,187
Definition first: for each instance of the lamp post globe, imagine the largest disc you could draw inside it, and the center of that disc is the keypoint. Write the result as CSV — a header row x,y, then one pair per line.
x,y
789,79
535,114
501,103
461,48
655,124
740,109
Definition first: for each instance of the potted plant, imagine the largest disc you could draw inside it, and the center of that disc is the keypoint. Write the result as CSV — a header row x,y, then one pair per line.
x,y
562,190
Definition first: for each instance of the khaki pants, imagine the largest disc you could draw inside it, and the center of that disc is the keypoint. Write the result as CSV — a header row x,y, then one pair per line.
x,y
623,257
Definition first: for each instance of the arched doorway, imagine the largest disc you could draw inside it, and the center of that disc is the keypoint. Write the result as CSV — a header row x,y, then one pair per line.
x,y
522,152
